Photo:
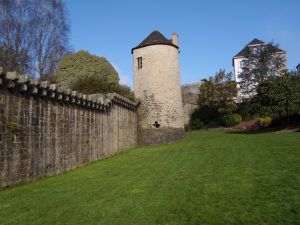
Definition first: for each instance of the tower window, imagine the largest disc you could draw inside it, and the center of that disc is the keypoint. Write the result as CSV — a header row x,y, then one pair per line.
x,y
140,62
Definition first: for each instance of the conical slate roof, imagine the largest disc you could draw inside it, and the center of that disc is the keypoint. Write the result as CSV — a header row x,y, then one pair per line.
x,y
155,38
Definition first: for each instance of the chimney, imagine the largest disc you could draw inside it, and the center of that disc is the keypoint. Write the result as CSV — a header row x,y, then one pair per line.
x,y
175,38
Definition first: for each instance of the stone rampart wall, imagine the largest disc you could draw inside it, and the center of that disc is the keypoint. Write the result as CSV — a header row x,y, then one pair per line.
x,y
45,130
190,104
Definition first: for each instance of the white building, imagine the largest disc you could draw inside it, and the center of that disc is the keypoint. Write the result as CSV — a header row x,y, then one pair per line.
x,y
251,48
298,68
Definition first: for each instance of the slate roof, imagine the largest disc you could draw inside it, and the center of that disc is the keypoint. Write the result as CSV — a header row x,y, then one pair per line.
x,y
155,38
256,42
245,51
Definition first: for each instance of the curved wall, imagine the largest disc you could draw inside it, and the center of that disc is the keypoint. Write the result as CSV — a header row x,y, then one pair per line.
x,y
157,86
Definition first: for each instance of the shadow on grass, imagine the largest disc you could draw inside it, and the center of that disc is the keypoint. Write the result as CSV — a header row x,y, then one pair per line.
x,y
262,131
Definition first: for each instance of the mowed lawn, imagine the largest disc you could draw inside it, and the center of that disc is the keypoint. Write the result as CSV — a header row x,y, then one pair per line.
x,y
212,177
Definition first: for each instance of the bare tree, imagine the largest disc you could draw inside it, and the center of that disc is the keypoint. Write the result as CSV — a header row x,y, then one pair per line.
x,y
15,40
51,35
34,35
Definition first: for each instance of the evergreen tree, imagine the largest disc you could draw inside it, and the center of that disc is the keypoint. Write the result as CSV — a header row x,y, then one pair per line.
x,y
278,96
83,66
90,74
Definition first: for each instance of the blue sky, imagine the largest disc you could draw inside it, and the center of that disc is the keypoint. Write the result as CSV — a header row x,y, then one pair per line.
x,y
210,32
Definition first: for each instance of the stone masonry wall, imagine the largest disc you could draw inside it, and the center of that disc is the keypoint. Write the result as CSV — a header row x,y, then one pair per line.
x,y
190,104
190,95
157,86
46,131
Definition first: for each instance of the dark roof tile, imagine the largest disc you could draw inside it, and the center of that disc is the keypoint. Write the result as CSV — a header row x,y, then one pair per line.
x,y
256,42
245,51
155,38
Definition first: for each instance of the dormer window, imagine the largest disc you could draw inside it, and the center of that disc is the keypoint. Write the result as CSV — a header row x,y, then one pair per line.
x,y
254,50
140,62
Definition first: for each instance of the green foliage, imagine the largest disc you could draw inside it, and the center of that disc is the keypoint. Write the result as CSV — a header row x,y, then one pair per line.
x,y
216,99
90,74
232,120
278,96
196,124
12,127
92,85
125,91
81,66
208,116
264,121
210,178
219,92
244,111
259,66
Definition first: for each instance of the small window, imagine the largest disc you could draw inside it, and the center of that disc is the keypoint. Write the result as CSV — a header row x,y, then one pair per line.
x,y
140,62
255,50
242,64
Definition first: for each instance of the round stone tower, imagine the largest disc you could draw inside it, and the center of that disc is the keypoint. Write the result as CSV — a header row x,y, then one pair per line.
x,y
157,87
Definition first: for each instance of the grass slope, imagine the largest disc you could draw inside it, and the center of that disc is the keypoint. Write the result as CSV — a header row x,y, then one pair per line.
x,y
212,177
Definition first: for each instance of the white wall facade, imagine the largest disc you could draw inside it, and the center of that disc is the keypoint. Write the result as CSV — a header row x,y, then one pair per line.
x,y
237,67
237,70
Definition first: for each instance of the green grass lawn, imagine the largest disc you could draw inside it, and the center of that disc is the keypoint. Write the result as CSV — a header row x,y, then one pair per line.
x,y
212,177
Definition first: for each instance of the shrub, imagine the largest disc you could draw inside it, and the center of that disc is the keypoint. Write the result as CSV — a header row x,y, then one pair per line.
x,y
246,116
196,124
79,66
93,85
245,110
265,121
232,120
208,116
284,121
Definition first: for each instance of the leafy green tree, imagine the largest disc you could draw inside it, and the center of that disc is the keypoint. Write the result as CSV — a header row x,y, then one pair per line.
x,y
94,84
219,93
90,74
97,74
125,91
266,61
216,100
279,96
